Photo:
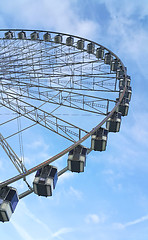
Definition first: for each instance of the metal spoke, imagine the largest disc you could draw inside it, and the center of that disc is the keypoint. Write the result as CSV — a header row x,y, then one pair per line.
x,y
14,158
12,155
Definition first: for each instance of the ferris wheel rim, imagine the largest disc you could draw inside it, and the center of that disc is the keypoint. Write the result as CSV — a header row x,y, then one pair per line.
x,y
65,151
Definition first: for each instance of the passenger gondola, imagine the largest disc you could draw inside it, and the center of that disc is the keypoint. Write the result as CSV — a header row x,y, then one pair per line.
x,y
100,53
58,38
99,140
123,106
34,35
114,122
108,58
114,65
69,41
45,181
77,159
47,37
8,202
90,48
122,82
128,92
9,35
22,35
80,44
120,73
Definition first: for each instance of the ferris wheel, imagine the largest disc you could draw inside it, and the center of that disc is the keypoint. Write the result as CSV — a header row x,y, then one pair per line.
x,y
67,85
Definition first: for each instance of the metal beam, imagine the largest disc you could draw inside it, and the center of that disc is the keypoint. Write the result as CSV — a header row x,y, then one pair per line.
x,y
14,158
12,155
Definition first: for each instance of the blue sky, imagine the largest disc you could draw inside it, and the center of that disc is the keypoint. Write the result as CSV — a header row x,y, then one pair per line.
x,y
110,199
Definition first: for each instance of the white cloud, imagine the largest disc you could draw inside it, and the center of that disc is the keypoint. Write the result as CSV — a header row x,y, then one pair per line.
x,y
134,222
29,225
139,220
94,218
62,231
34,218
67,175
20,186
47,14
21,231
27,160
127,8
127,35
113,179
37,151
118,226
74,192
139,128
69,193
39,143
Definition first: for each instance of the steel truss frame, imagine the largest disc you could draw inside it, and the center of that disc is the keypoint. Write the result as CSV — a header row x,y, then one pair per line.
x,y
59,74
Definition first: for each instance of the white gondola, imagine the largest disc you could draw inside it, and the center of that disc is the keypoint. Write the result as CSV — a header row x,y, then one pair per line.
x,y
128,92
58,38
34,36
77,159
108,58
100,53
9,35
124,106
99,140
114,65
80,44
47,37
114,122
22,35
69,41
8,202
45,181
90,48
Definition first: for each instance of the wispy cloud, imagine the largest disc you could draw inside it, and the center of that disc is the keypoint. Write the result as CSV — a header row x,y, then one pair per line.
x,y
59,15
71,194
62,231
22,220
113,179
35,218
128,224
127,31
38,143
21,231
139,129
37,150
76,193
64,177
94,218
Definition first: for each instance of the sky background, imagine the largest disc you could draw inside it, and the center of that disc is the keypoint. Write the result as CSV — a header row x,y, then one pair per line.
x,y
110,199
